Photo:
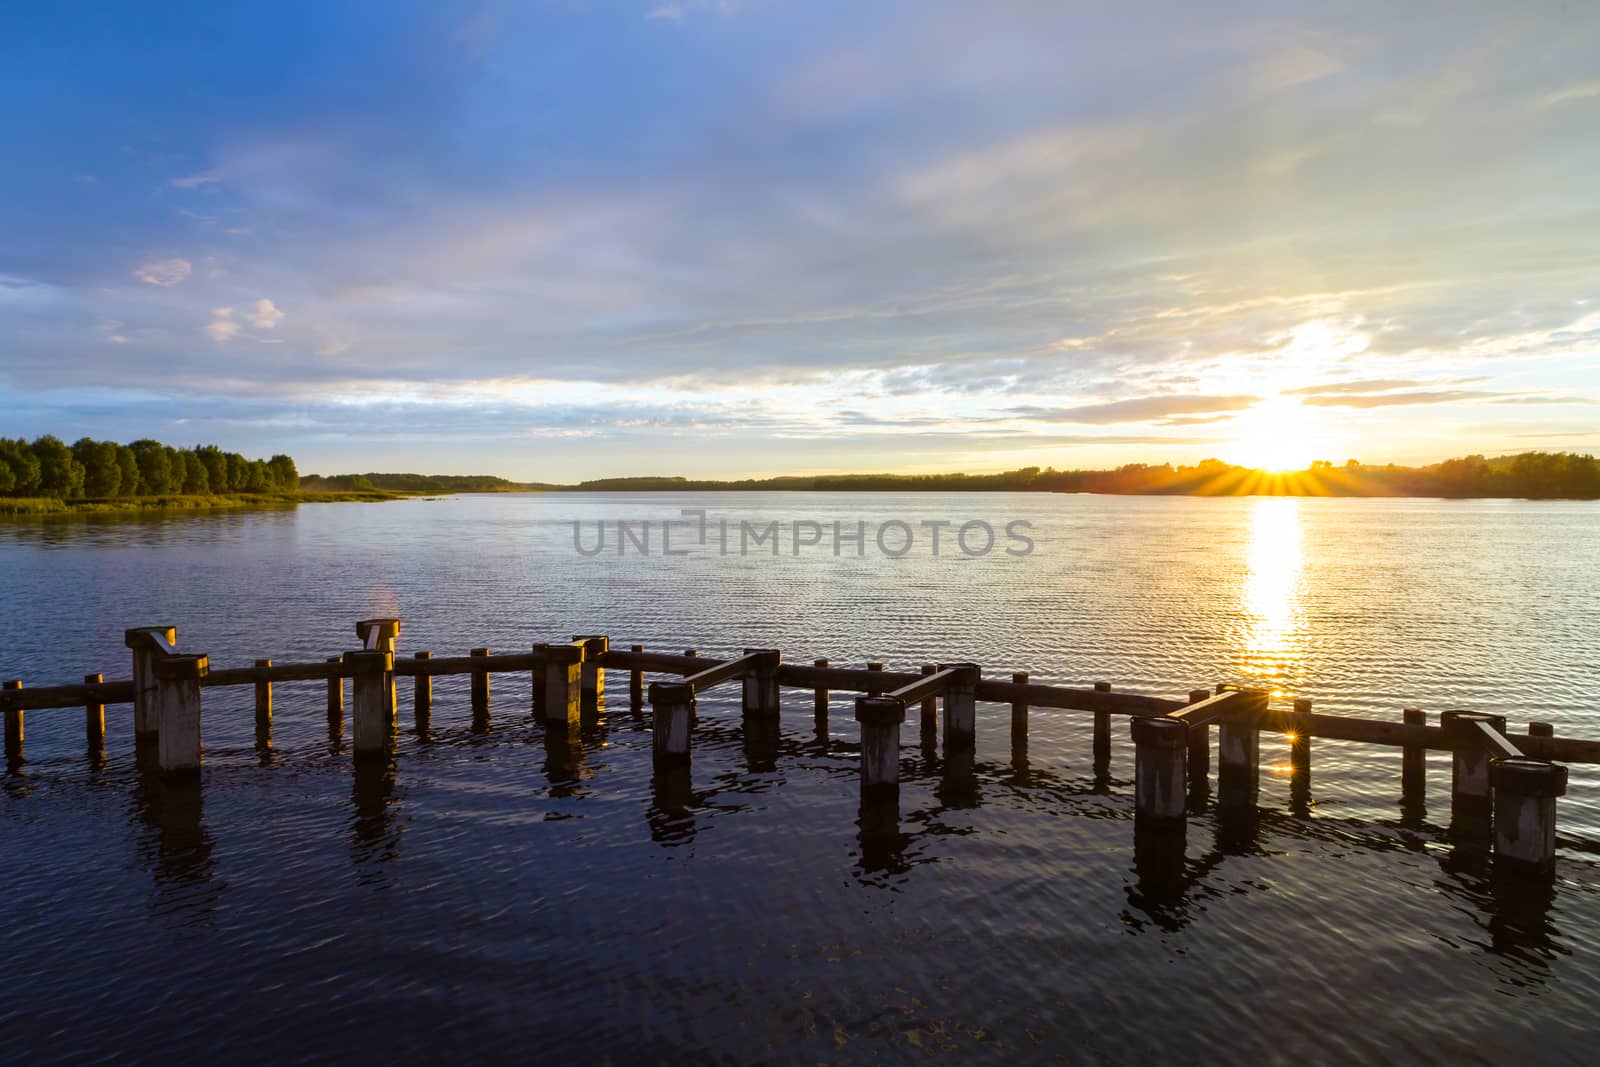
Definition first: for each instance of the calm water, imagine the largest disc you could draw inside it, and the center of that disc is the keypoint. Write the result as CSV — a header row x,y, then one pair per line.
x,y
504,895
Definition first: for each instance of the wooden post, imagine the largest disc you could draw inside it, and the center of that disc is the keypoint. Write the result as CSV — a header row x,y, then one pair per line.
x,y
1470,792
669,707
94,718
1525,792
1019,710
372,710
636,682
592,680
263,698
819,703
480,688
930,707
14,732
178,713
1238,763
147,642
563,679
761,685
880,718
1160,755
422,696
874,666
1199,771
1414,763
336,695
537,678
1300,746
691,652
961,708
1102,730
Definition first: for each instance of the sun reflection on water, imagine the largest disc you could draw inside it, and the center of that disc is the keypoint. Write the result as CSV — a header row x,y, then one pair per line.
x,y
1274,624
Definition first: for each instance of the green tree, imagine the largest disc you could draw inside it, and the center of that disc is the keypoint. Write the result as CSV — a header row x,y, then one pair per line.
x,y
238,472
175,469
60,475
21,465
195,478
285,477
128,485
101,474
155,470
216,465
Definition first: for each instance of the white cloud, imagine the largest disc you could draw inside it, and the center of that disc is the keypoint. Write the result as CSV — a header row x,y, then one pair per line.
x,y
164,272
265,315
194,181
1585,91
222,327
666,11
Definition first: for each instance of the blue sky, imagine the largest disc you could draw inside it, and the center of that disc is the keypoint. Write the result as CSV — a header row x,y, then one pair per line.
x,y
566,240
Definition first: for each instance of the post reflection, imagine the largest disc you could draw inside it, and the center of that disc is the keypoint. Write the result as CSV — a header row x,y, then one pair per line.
x,y
563,758
1273,635
374,832
878,835
178,846
671,810
1161,881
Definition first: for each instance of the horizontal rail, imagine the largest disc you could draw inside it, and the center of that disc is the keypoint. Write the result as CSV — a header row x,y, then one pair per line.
x,y
1497,742
929,685
1221,706
1218,709
717,673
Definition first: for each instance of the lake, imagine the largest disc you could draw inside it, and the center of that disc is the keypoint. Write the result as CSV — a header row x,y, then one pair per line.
x,y
500,895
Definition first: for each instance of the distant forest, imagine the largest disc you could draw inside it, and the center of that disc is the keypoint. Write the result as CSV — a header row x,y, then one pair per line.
x,y
414,483
1535,475
105,470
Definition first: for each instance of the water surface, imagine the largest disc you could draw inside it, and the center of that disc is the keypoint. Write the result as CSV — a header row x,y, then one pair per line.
x,y
506,894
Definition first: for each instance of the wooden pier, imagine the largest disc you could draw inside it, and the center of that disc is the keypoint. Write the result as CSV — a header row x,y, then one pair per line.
x,y
1503,785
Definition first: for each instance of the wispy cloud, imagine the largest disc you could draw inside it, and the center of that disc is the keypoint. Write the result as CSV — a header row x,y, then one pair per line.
x,y
264,316
222,328
164,272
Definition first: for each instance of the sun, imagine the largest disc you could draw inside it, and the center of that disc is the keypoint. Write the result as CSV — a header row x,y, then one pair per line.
x,y
1277,435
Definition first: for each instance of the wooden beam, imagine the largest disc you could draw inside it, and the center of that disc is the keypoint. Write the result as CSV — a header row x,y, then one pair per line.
x,y
929,685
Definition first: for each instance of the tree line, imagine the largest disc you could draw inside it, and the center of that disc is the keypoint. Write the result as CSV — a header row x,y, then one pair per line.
x,y
90,469
1531,475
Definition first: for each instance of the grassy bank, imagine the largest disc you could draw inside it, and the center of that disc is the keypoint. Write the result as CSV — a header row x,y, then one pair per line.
x,y
49,505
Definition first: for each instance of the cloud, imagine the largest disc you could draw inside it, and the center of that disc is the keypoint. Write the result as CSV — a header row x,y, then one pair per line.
x,y
164,272
1581,91
665,11
1369,385
222,326
265,315
194,181
1140,409
1383,400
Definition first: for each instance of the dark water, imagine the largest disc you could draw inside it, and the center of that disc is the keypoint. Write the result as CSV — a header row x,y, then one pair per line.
x,y
504,895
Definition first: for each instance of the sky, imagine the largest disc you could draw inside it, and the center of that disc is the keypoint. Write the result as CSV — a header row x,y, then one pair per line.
x,y
566,240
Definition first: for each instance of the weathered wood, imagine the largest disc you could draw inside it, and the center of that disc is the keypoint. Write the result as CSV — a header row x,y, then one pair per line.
x,y
671,704
14,721
372,711
94,716
592,678
636,681
146,643
1228,705
178,745
1470,794
1300,743
929,685
263,698
562,705
1414,762
1019,708
422,696
874,666
819,701
717,673
480,686
960,707
880,718
1525,792
336,691
1498,744
760,687
1102,729
1160,784
930,705
378,635
1199,757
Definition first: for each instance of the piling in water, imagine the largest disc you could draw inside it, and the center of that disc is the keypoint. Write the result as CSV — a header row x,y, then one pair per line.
x,y
1470,792
372,704
880,718
760,686
961,708
147,642
1525,792
177,695
14,731
1414,764
94,718
1160,759
670,704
